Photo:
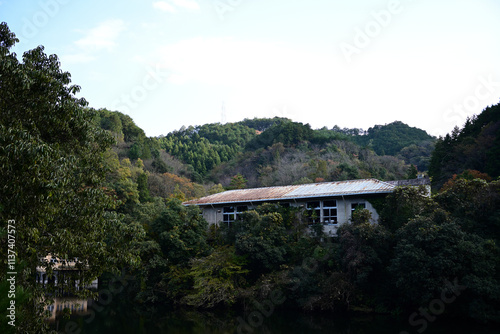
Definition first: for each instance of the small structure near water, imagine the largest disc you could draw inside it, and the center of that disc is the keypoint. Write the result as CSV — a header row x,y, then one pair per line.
x,y
65,272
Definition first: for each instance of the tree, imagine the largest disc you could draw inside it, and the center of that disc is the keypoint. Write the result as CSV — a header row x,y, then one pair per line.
x,y
473,147
142,187
391,138
431,253
364,254
207,146
52,174
177,235
262,237
412,172
403,204
287,132
215,189
345,171
135,151
418,155
238,182
466,175
217,278
475,204
181,232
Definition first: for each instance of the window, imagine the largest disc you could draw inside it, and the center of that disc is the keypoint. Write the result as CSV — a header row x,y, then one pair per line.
x,y
240,210
314,209
355,206
322,211
231,213
330,212
228,214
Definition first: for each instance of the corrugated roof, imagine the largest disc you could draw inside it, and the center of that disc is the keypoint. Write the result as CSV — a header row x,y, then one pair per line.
x,y
323,189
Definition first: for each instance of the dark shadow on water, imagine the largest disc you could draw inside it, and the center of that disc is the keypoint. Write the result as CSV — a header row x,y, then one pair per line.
x,y
118,317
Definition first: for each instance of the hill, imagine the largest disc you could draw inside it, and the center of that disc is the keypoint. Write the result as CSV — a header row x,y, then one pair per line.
x,y
474,147
261,151
391,138
279,151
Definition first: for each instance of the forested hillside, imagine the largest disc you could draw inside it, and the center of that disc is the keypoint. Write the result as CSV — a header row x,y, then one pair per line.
x,y
204,147
197,161
279,151
392,138
474,147
139,169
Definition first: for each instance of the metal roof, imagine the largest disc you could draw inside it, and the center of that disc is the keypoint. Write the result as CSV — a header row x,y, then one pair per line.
x,y
323,189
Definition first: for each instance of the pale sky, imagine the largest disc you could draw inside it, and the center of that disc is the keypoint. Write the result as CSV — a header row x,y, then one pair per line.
x,y
355,63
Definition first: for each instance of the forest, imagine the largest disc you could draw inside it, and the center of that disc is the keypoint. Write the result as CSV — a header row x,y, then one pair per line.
x,y
89,185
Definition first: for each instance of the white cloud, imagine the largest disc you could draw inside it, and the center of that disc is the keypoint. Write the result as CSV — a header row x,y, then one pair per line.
x,y
103,36
254,75
164,6
230,61
187,4
173,5
316,87
77,58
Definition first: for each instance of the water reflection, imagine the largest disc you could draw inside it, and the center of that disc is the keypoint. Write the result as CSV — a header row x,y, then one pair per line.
x,y
124,318
67,304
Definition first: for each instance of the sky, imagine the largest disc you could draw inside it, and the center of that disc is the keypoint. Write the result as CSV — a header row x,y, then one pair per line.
x,y
358,63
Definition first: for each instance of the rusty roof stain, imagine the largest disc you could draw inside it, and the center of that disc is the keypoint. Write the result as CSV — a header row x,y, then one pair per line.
x,y
281,193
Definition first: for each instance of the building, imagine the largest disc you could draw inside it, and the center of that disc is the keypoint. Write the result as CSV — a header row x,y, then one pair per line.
x,y
330,203
63,272
420,181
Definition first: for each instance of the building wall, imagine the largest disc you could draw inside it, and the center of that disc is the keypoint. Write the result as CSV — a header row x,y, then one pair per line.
x,y
215,214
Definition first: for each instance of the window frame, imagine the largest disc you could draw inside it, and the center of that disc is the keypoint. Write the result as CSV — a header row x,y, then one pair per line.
x,y
314,207
330,210
228,214
325,213
232,213
355,205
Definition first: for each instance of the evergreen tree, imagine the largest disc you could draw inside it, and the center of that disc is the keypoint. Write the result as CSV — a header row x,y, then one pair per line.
x,y
412,172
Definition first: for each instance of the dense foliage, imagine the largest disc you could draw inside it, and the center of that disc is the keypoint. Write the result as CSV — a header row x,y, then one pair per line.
x,y
392,138
425,249
476,147
52,176
207,146
217,152
262,124
288,133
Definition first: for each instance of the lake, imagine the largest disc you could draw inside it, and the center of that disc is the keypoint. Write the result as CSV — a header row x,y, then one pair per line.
x,y
118,317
